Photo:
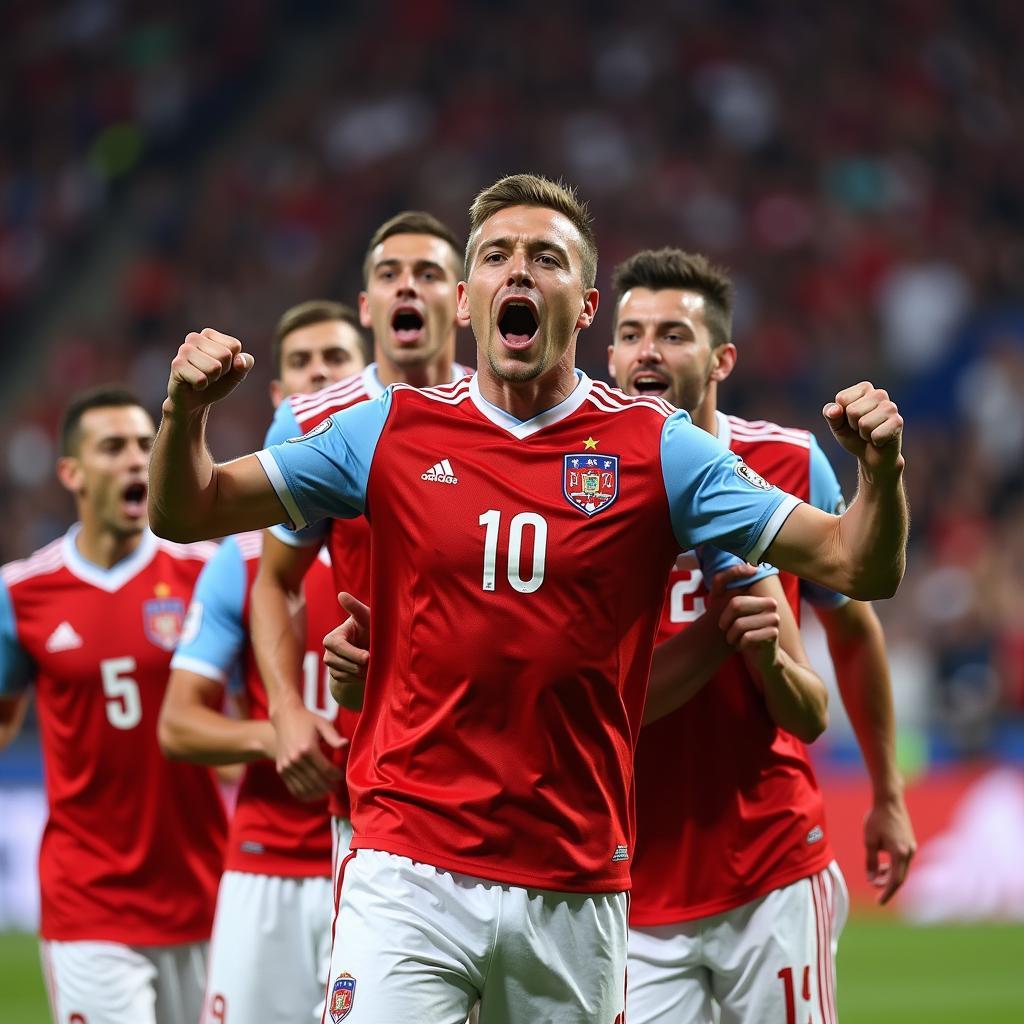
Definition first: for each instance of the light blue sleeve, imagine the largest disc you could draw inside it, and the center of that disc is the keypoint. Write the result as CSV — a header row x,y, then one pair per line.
x,y
827,495
714,497
213,635
283,427
714,560
324,473
17,671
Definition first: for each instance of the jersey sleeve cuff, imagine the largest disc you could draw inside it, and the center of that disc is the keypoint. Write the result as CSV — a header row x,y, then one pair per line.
x,y
771,528
309,537
277,481
200,668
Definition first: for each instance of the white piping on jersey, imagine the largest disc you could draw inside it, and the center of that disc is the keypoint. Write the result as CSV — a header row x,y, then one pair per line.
x,y
458,393
336,397
771,528
761,430
277,481
46,560
612,400
250,544
201,668
524,428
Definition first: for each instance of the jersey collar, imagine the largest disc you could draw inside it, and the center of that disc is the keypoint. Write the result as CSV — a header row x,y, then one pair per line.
x,y
524,428
374,388
116,576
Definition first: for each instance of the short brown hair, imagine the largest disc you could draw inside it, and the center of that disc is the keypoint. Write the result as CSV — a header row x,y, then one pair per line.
x,y
106,396
411,222
314,311
535,190
673,268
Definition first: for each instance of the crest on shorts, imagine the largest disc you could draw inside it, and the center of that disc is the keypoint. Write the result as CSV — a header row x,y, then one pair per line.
x,y
590,482
343,996
162,619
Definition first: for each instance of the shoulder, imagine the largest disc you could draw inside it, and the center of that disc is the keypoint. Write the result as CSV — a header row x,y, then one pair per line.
x,y
197,552
611,400
445,394
43,562
764,433
310,410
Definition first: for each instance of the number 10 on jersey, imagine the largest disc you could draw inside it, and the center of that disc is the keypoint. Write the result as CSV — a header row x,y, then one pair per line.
x,y
518,524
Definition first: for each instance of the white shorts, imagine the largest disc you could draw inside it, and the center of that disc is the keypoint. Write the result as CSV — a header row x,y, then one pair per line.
x,y
413,943
110,983
772,959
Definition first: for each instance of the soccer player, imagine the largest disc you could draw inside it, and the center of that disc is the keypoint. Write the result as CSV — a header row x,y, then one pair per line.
x,y
516,601
271,943
737,899
411,268
134,844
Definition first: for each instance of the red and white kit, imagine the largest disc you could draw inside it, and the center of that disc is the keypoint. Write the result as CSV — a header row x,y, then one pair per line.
x,y
729,812
134,843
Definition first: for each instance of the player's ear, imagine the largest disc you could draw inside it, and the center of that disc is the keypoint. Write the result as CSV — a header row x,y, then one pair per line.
x,y
725,360
364,310
69,473
589,310
462,305
611,365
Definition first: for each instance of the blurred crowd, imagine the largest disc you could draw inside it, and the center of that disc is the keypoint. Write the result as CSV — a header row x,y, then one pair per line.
x,y
857,168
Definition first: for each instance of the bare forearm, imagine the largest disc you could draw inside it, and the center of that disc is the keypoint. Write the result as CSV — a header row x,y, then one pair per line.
x,y
857,645
795,695
873,532
278,632
12,716
208,737
181,475
682,665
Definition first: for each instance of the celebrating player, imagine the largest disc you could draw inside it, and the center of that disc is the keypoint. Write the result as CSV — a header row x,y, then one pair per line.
x,y
411,268
133,845
516,600
271,941
737,899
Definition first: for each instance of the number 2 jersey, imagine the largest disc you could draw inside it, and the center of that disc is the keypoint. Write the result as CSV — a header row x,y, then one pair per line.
x,y
518,574
728,808
272,832
134,843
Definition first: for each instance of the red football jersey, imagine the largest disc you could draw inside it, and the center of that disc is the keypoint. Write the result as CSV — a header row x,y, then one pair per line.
x,y
728,807
349,539
133,847
272,832
518,573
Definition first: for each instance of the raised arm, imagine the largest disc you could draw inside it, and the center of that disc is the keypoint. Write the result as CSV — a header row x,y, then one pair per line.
x,y
857,646
861,553
278,638
191,497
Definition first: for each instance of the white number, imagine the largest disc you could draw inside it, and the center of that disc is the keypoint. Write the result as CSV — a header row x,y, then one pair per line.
x,y
678,612
124,705
491,519
316,687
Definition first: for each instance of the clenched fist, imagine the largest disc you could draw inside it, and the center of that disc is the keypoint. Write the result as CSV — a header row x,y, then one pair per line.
x,y
208,367
866,422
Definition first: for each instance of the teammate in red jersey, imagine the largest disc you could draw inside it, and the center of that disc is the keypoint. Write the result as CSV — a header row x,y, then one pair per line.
x,y
271,943
411,267
737,900
133,846
516,601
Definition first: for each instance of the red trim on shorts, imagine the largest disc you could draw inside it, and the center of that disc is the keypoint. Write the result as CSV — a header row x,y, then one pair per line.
x,y
829,884
334,926
826,994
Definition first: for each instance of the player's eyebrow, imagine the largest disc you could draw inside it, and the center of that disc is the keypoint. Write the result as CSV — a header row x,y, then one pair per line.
x,y
662,325
418,266
533,245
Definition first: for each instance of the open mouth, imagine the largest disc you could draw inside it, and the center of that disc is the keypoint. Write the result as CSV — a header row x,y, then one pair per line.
x,y
407,326
134,499
517,324
649,384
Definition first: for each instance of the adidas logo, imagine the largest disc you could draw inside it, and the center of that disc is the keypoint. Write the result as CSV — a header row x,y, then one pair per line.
x,y
63,638
440,473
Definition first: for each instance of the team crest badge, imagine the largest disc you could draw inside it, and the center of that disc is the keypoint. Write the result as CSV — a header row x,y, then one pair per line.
x,y
320,428
343,995
590,482
162,619
753,478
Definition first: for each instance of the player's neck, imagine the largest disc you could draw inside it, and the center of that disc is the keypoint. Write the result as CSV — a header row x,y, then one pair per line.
x,y
527,399
705,415
104,548
426,375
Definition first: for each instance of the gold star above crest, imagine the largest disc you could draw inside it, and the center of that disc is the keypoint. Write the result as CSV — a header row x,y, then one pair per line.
x,y
162,590
590,444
